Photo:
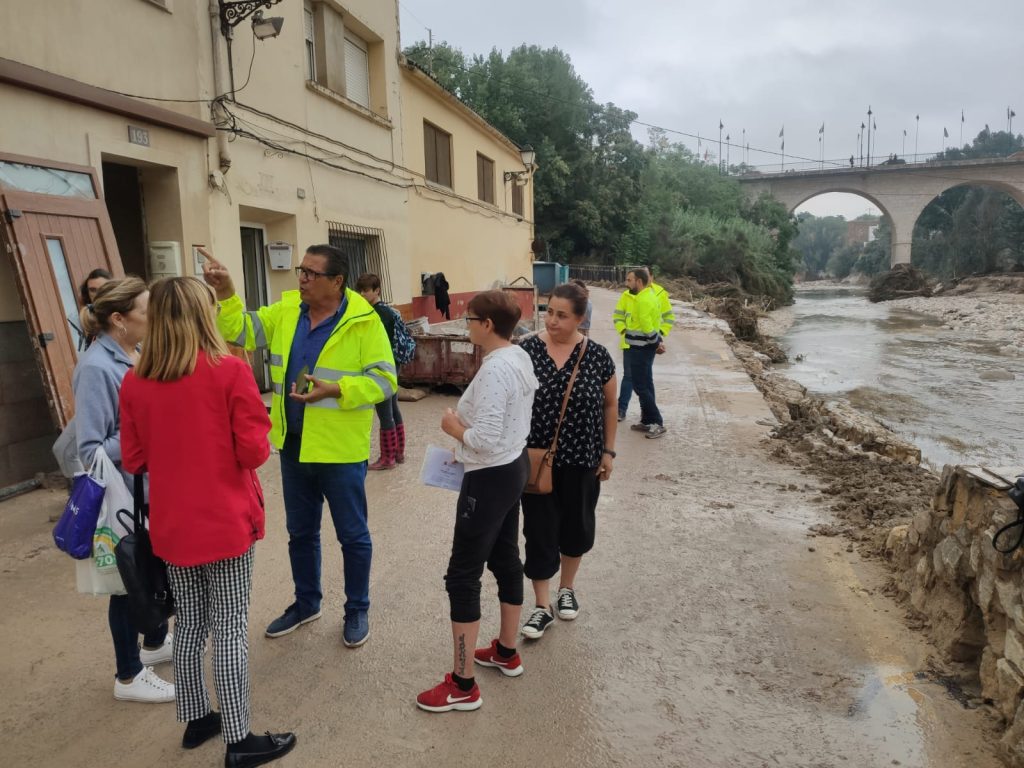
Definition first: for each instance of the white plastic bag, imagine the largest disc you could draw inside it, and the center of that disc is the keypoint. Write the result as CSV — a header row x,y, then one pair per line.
x,y
97,575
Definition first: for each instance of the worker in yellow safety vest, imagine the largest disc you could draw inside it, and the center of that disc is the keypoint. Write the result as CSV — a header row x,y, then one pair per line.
x,y
638,319
668,320
330,362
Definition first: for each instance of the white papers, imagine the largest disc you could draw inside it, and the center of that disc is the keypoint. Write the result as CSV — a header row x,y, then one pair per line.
x,y
441,470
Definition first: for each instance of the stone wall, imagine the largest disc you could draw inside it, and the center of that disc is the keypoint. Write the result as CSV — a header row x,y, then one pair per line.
x,y
969,593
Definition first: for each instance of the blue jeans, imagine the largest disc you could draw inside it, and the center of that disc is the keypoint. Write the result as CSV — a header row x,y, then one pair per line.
x,y
126,637
626,386
305,487
641,368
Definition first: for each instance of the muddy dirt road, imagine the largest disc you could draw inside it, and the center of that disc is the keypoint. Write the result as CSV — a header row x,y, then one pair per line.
x,y
713,632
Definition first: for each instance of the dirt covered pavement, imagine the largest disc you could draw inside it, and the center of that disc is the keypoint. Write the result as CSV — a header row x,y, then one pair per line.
x,y
713,632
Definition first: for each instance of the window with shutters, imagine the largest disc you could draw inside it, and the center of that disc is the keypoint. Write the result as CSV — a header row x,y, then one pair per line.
x,y
437,152
310,43
517,199
485,178
357,71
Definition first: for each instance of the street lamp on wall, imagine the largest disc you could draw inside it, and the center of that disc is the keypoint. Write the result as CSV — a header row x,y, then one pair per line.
x,y
234,12
528,156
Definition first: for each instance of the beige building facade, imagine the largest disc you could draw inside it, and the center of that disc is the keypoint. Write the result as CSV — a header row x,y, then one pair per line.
x,y
129,136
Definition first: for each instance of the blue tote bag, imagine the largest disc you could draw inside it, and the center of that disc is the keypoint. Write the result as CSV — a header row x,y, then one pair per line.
x,y
74,531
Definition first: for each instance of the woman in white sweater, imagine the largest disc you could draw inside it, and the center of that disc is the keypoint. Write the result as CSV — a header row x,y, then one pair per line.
x,y
491,425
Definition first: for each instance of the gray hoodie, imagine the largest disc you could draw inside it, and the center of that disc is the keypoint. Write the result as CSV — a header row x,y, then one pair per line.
x,y
496,407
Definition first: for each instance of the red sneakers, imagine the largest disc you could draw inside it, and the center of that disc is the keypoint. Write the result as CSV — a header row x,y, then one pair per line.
x,y
448,696
488,657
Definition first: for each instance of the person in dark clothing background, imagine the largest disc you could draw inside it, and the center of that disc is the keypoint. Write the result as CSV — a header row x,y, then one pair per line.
x,y
441,298
392,427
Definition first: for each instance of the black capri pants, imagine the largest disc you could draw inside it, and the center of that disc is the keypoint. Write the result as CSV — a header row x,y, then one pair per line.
x,y
562,522
487,532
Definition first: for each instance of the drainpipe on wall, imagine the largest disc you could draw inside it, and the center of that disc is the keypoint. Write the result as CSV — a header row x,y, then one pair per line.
x,y
220,114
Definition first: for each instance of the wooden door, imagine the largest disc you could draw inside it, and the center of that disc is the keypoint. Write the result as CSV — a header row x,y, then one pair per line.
x,y
54,242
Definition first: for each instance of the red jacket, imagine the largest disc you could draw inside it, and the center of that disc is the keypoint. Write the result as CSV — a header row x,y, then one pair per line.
x,y
200,438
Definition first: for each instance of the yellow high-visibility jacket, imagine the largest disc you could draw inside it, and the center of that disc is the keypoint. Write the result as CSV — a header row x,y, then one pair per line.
x,y
622,309
357,356
637,318
668,317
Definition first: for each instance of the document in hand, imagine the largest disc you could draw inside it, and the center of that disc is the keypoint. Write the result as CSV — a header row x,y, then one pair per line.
x,y
440,469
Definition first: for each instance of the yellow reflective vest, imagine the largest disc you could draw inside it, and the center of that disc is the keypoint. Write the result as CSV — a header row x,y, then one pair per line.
x,y
668,317
357,356
637,318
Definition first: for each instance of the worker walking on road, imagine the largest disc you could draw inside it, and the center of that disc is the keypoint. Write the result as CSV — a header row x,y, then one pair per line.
x,y
639,326
330,354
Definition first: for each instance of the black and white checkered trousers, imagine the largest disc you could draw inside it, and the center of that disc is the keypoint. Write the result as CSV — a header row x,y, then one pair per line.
x,y
213,599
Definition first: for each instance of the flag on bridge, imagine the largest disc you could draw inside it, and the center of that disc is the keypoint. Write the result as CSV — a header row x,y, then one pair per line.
x,y
822,129
945,133
721,125
782,132
961,115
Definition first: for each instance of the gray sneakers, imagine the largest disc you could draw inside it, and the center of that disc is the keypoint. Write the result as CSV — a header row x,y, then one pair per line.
x,y
655,431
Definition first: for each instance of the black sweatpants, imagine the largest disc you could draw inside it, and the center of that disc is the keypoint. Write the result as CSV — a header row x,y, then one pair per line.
x,y
487,533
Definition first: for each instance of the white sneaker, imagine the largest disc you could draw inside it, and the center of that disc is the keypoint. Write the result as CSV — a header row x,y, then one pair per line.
x,y
146,687
160,655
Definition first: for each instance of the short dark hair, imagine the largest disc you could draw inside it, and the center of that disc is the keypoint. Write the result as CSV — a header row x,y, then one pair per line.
x,y
337,260
500,308
574,294
367,282
641,274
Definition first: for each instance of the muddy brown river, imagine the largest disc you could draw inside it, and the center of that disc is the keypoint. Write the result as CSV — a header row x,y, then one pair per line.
x,y
956,396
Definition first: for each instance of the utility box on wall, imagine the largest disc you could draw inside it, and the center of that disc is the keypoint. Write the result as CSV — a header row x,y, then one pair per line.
x,y
279,253
164,259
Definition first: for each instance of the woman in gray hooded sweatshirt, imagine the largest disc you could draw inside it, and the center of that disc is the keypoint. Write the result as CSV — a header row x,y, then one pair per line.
x,y
116,320
491,424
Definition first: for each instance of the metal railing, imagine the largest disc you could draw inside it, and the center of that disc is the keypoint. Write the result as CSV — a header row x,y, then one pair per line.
x,y
592,273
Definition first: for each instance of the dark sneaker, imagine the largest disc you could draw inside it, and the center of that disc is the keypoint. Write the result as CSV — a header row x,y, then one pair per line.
x,y
640,427
568,608
656,431
489,657
290,620
357,629
622,415
539,620
448,696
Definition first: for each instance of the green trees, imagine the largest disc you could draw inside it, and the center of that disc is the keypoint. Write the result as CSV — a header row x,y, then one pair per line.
x,y
968,230
599,195
819,239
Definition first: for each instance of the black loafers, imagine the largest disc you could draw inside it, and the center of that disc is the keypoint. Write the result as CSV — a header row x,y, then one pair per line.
x,y
200,731
277,745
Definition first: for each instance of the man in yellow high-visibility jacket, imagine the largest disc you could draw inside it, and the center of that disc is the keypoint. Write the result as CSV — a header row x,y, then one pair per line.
x,y
668,319
638,320
330,362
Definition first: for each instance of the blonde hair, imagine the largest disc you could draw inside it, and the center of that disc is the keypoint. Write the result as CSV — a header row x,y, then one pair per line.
x,y
182,321
116,296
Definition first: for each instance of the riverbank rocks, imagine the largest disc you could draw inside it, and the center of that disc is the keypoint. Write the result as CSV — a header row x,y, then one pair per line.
x,y
968,592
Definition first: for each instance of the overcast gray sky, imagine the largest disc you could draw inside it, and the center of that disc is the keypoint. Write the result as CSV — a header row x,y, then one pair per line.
x,y
759,66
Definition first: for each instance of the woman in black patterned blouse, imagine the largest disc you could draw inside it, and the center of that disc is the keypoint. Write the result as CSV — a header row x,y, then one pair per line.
x,y
559,527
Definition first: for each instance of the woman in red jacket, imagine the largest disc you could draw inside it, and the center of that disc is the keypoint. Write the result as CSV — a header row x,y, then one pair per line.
x,y
192,417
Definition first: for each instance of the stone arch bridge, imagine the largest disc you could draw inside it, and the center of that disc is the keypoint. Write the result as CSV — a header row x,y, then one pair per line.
x,y
901,191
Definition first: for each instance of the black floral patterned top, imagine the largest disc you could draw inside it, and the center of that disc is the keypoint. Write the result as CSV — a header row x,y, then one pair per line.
x,y
582,437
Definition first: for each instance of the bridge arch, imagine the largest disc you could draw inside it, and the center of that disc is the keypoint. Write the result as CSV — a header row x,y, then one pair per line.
x,y
901,191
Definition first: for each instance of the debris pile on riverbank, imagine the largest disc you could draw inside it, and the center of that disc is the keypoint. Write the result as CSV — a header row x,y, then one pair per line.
x,y
872,476
995,317
1012,282
743,322
900,282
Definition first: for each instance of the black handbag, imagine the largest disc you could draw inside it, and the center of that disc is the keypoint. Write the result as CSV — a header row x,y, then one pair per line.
x,y
143,573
